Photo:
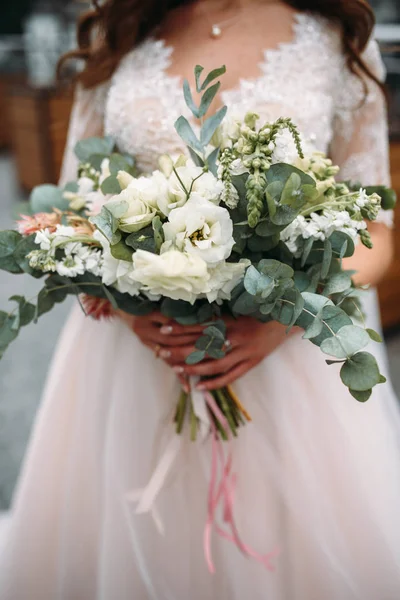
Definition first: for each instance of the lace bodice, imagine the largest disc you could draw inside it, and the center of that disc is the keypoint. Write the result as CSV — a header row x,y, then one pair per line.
x,y
306,79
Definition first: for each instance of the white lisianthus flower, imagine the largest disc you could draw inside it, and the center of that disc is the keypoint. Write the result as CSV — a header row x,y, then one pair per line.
x,y
284,148
224,278
186,181
139,200
114,272
173,274
202,229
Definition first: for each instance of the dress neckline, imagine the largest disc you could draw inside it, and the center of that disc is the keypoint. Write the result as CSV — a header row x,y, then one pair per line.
x,y
303,24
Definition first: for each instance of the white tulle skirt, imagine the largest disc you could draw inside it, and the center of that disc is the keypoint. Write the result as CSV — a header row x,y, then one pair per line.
x,y
318,478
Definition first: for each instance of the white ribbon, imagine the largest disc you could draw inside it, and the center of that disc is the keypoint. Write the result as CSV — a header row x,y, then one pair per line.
x,y
147,496
200,408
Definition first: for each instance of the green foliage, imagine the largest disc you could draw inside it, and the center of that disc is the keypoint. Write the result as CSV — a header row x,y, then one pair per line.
x,y
85,149
361,372
45,198
210,344
107,224
9,241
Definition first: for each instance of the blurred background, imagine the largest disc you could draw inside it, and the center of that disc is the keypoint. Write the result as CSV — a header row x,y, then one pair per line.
x,y
34,114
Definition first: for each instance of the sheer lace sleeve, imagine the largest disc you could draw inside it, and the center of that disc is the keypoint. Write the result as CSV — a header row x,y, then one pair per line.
x,y
87,120
360,144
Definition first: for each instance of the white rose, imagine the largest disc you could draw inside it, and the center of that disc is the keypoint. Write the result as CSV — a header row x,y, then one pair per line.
x,y
173,274
224,278
188,180
139,198
202,229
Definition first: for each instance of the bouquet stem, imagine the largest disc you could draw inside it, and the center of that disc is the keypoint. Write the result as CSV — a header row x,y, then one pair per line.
x,y
229,405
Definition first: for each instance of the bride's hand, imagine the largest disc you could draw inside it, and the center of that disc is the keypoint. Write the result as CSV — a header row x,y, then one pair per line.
x,y
250,342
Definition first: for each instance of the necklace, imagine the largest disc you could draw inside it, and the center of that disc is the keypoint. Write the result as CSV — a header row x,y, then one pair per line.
x,y
216,28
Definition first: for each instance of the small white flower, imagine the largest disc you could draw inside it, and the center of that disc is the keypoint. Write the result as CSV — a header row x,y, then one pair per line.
x,y
362,199
70,266
43,239
202,229
174,274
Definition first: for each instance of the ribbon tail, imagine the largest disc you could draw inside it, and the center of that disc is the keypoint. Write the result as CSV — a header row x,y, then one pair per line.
x,y
200,408
157,481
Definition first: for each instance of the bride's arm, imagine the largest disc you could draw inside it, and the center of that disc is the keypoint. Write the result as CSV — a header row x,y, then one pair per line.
x,y
361,148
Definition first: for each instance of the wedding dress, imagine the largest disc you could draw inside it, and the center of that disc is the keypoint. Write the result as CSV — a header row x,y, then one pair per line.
x,y
318,473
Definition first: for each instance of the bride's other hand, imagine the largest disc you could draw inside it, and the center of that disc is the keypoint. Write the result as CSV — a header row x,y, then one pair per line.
x,y
250,342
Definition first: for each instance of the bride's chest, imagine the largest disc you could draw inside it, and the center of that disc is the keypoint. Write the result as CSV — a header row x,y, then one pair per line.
x,y
295,80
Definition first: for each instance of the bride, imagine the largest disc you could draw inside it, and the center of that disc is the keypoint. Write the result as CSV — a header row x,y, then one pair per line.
x,y
318,473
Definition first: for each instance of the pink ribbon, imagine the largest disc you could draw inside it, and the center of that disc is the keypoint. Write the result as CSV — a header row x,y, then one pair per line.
x,y
223,491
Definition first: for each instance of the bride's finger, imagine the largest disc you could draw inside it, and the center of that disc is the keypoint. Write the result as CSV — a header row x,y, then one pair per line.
x,y
215,367
227,378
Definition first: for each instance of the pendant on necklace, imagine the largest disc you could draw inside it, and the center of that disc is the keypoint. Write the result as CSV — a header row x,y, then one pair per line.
x,y
216,32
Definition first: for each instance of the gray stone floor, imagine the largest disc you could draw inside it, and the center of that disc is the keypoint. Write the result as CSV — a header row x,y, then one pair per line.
x,y
23,368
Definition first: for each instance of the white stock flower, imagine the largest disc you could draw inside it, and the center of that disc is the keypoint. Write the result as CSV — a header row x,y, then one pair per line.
x,y
284,149
224,278
229,132
320,227
202,229
362,199
174,274
189,180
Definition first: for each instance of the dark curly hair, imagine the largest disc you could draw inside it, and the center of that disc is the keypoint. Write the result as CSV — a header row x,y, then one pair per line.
x,y
123,24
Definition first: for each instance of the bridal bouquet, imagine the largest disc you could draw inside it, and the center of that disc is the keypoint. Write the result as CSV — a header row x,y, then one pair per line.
x,y
251,221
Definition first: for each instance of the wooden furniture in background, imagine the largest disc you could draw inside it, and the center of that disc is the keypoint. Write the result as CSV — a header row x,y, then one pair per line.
x,y
389,289
38,124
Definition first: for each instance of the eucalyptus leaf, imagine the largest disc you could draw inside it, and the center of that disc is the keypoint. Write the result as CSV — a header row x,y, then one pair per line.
x,y
119,163
214,74
340,282
347,341
284,215
339,241
263,244
198,161
211,125
207,99
212,161
185,131
84,149
361,396
158,233
111,185
195,357
326,259
121,251
275,269
189,99
291,190
360,373
45,198
315,328
142,240
374,335
20,255
246,304
197,74
306,250
26,310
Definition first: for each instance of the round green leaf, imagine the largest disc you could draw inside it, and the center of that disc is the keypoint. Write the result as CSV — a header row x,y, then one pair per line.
x,y
348,340
374,335
361,372
195,357
45,198
8,242
361,396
